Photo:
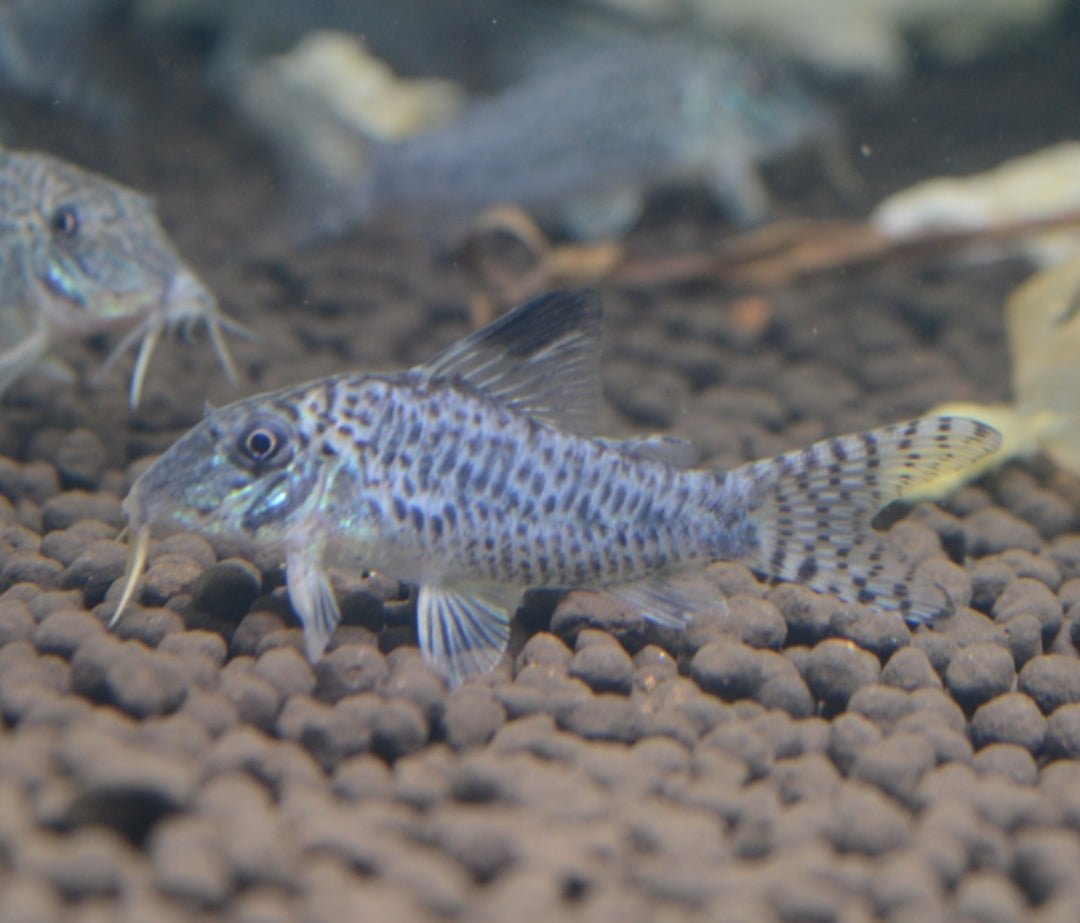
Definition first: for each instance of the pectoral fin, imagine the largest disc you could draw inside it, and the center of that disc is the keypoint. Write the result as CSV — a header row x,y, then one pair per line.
x,y
312,598
463,631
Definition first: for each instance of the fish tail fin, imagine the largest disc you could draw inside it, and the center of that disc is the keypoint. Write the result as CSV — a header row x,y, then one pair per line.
x,y
812,510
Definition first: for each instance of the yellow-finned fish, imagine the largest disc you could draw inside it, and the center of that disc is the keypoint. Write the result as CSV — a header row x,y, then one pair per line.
x,y
475,477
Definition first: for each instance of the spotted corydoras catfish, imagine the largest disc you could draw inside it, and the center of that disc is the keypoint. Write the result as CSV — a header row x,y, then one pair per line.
x,y
579,143
82,255
474,477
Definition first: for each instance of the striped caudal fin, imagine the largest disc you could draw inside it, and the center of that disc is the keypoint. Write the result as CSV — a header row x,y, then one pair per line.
x,y
812,510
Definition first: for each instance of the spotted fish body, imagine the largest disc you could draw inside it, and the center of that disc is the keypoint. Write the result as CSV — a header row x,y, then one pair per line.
x,y
82,255
472,477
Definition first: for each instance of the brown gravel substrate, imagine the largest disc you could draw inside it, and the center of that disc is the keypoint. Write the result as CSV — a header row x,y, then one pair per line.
x,y
800,760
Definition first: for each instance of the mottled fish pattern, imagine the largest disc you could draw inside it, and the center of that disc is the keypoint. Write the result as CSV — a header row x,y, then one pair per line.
x,y
475,478
82,255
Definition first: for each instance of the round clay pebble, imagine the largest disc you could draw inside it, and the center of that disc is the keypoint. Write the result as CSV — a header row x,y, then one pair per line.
x,y
256,700
189,862
94,570
835,669
949,744
989,578
253,627
29,899
472,716
909,668
135,679
412,680
808,615
1029,596
603,717
1023,636
227,589
287,670
1063,733
1010,761
212,710
208,644
190,545
1040,567
1052,680
46,602
993,530
545,649
938,647
864,821
168,575
361,777
348,670
652,666
80,460
15,538
727,669
849,735
983,897
754,621
67,508
884,705
31,567
16,621
896,765
63,632
81,864
881,633
151,625
1012,718
783,687
400,728
979,673
65,545
603,666
329,733
1046,863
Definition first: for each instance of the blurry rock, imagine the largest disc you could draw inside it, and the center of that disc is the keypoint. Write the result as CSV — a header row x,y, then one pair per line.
x,y
80,460
126,674
603,717
1009,761
978,673
1063,733
1012,718
1052,680
348,670
227,589
472,716
603,667
67,508
909,668
835,669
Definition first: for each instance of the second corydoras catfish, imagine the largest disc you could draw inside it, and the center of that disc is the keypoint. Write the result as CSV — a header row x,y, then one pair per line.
x,y
475,476
82,255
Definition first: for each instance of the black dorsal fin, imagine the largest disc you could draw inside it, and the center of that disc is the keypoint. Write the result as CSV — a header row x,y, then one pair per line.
x,y
542,359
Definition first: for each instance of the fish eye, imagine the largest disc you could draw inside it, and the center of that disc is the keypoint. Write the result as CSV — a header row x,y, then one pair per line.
x,y
262,442
65,221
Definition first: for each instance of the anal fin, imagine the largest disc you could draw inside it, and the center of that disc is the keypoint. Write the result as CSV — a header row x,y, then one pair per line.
x,y
463,631
671,600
